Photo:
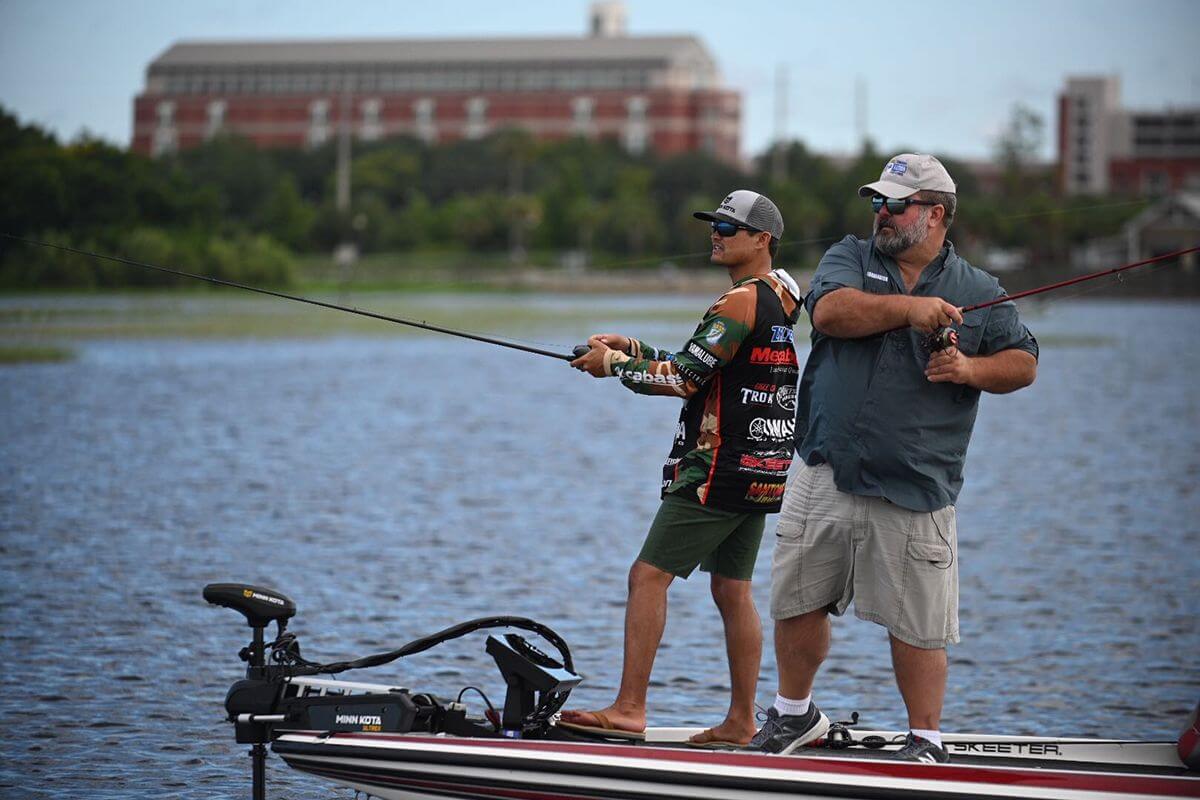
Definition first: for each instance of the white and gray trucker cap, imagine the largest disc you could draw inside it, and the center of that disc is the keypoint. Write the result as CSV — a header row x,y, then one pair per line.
x,y
748,208
908,173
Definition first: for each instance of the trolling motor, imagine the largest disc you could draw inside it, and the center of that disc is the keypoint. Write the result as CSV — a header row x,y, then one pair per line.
x,y
250,702
283,691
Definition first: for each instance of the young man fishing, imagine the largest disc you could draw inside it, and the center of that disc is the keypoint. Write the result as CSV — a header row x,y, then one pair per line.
x,y
727,469
882,426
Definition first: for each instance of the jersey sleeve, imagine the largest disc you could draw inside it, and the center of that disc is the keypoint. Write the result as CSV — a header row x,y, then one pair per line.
x,y
716,341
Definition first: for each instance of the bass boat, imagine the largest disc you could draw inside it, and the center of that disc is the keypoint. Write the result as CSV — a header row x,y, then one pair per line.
x,y
392,742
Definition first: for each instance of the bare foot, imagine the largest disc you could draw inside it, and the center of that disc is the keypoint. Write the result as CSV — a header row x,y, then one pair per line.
x,y
727,731
611,718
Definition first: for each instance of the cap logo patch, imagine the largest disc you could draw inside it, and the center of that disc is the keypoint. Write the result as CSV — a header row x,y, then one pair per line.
x,y
897,167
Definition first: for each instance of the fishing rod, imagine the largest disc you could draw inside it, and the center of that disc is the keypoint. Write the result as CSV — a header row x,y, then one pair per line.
x,y
944,338
298,299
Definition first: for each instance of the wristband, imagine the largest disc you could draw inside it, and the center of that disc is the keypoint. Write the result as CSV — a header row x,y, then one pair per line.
x,y
612,357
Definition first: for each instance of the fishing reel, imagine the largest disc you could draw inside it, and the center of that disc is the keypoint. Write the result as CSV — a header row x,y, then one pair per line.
x,y
838,737
938,340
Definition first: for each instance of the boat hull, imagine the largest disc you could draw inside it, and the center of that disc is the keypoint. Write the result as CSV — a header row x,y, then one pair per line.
x,y
415,766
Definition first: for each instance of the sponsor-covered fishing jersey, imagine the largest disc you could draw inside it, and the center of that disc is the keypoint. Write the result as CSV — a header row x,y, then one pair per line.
x,y
737,375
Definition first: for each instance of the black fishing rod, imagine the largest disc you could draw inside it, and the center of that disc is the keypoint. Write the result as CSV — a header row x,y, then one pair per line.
x,y
942,338
297,298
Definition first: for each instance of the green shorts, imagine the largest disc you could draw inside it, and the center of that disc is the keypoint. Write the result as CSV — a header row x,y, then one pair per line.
x,y
685,535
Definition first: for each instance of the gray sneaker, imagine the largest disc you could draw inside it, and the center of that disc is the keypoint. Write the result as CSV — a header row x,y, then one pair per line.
x,y
918,749
783,733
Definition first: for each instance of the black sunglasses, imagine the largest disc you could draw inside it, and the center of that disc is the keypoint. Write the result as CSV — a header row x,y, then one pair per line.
x,y
727,229
897,205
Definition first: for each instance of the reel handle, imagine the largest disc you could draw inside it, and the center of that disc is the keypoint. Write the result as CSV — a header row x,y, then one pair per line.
x,y
940,339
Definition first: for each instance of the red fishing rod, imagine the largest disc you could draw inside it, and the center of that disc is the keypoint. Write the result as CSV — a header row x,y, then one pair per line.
x,y
944,338
349,310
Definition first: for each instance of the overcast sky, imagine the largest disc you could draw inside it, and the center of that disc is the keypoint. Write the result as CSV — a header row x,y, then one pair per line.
x,y
939,76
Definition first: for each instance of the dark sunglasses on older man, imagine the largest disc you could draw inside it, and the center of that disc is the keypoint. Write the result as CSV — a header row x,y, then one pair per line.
x,y
897,205
727,229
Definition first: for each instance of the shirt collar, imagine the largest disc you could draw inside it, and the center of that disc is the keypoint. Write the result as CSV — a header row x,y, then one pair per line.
x,y
946,257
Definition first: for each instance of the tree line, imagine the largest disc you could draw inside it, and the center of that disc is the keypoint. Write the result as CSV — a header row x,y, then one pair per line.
x,y
232,210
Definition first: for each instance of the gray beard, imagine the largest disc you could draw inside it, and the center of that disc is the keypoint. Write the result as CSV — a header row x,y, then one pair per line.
x,y
903,238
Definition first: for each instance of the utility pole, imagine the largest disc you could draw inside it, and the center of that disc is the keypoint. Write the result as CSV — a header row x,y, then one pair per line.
x,y
778,150
860,110
343,153
346,253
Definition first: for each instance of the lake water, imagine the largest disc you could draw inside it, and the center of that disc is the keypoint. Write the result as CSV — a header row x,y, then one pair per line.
x,y
393,486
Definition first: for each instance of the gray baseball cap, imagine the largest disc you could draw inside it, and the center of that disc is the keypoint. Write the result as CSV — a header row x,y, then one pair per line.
x,y
908,173
748,208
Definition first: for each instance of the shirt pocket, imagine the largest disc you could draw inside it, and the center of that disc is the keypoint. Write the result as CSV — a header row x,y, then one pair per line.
x,y
970,333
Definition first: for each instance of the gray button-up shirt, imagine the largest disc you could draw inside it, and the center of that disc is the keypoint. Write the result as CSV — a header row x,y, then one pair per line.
x,y
865,406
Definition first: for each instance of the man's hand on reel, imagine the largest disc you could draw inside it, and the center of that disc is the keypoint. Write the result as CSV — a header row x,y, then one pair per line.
x,y
927,314
949,366
592,362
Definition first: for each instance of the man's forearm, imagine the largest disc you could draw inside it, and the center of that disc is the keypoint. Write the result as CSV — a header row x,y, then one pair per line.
x,y
851,313
1003,372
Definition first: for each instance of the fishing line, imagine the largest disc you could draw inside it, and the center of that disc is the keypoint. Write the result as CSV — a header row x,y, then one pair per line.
x,y
1051,212
703,254
1118,279
297,298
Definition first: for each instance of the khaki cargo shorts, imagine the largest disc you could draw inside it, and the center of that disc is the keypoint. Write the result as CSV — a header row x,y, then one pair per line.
x,y
900,567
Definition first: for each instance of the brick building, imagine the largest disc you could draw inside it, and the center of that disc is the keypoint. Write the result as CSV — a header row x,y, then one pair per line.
x,y
1105,149
660,93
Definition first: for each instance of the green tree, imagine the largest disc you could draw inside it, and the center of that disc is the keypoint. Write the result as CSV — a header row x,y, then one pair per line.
x,y
285,215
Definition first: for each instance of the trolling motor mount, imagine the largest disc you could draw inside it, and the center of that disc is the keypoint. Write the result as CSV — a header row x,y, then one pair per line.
x,y
288,692
256,695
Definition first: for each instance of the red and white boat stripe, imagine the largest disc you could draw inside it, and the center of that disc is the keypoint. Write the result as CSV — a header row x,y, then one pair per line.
x,y
407,766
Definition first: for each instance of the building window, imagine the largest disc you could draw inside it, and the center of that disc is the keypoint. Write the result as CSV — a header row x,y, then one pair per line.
x,y
165,140
1155,182
318,123
581,115
371,128
216,118
637,132
476,118
708,141
423,111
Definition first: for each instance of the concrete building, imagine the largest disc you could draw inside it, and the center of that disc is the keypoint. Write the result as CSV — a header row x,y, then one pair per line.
x,y
660,93
1105,149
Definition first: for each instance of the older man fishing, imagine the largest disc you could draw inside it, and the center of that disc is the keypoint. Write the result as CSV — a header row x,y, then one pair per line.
x,y
882,424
